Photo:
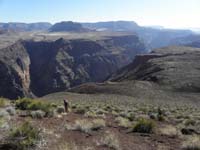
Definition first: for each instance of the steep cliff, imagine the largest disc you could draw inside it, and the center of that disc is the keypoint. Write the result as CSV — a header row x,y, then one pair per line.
x,y
59,65
14,67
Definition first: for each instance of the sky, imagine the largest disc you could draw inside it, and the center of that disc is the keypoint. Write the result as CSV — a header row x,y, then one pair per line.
x,y
167,13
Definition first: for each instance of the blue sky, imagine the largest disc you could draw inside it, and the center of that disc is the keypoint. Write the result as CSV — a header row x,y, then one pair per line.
x,y
168,13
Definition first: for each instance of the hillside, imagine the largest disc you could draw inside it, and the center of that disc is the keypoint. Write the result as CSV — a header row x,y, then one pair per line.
x,y
174,67
166,74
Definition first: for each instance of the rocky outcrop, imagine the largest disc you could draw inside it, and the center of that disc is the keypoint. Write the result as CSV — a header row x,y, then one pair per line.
x,y
43,67
176,68
14,68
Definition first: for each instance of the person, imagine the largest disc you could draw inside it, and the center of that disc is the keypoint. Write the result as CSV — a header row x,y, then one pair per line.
x,y
66,105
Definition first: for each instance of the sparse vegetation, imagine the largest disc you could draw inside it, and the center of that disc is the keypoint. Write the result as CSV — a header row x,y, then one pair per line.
x,y
24,137
32,104
87,126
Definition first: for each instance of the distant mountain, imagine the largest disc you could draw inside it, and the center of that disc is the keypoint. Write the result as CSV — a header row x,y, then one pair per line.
x,y
68,26
112,26
25,26
187,40
154,36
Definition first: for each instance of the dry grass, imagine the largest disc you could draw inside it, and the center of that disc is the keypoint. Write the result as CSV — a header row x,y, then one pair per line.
x,y
169,131
3,102
109,140
87,126
123,122
192,143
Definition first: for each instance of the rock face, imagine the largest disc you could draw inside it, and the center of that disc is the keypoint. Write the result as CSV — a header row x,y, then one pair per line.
x,y
44,67
68,26
14,67
176,68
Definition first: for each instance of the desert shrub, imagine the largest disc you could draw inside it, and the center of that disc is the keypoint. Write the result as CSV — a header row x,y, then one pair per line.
x,y
100,112
152,115
189,122
98,124
11,110
31,104
169,131
144,126
54,105
87,126
80,110
123,122
109,140
161,114
93,114
2,123
60,109
23,103
38,114
24,137
160,117
4,114
191,143
130,116
108,108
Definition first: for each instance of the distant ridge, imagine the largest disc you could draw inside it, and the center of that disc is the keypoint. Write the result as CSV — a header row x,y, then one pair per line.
x,y
67,26
17,26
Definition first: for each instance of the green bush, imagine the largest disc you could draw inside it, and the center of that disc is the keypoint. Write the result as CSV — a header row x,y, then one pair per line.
x,y
3,102
31,104
23,103
80,110
24,137
144,126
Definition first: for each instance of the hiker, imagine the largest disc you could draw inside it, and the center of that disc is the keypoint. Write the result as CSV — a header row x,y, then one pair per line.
x,y
66,105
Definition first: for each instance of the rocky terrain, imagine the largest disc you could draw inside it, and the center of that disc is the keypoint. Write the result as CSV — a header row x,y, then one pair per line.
x,y
169,74
176,67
